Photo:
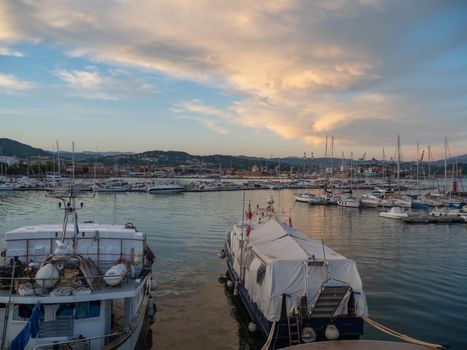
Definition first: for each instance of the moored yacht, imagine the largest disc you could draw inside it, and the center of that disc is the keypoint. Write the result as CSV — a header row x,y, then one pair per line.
x,y
394,213
295,290
83,286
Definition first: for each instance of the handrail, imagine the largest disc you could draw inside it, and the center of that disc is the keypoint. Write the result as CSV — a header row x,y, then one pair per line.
x,y
77,340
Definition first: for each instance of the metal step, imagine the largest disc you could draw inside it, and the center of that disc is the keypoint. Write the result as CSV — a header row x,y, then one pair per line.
x,y
328,301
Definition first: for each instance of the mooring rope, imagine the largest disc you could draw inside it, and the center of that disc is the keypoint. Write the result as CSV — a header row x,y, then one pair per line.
x,y
269,340
404,337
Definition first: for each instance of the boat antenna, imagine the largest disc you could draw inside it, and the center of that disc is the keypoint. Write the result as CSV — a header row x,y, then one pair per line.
x,y
242,241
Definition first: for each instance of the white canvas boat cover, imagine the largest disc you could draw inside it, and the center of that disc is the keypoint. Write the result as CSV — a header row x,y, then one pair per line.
x,y
279,260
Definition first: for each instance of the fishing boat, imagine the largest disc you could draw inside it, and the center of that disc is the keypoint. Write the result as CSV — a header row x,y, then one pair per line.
x,y
394,213
79,286
295,290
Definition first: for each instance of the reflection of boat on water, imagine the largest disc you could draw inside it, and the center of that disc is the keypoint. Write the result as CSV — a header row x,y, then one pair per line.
x,y
83,286
248,340
295,289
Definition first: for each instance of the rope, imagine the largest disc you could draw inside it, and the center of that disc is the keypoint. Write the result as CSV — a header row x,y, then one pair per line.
x,y
404,337
269,340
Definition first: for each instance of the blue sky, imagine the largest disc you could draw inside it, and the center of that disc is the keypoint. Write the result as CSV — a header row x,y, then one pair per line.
x,y
257,78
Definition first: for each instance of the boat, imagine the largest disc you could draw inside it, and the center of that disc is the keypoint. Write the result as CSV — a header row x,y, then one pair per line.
x,y
349,202
5,186
295,290
394,213
304,197
112,186
165,188
84,285
370,200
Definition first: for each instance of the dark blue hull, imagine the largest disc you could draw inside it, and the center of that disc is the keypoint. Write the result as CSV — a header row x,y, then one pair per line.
x,y
349,327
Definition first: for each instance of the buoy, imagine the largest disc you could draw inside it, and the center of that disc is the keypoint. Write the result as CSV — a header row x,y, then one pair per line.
x,y
153,284
331,332
47,276
252,327
116,274
235,288
230,284
150,307
308,335
221,254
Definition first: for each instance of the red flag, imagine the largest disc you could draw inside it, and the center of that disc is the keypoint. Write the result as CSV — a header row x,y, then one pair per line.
x,y
290,221
250,214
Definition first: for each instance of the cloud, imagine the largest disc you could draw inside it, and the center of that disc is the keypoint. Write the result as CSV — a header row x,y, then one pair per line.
x,y
92,84
300,69
5,51
10,83
209,116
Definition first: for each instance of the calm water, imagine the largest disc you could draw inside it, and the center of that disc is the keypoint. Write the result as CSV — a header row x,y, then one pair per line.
x,y
415,277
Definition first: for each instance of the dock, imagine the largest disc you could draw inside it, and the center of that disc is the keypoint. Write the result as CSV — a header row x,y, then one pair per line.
x,y
430,219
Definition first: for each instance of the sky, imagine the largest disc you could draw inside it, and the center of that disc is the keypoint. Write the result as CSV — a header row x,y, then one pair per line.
x,y
259,78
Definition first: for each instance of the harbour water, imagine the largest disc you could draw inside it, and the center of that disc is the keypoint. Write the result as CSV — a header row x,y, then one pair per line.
x,y
415,276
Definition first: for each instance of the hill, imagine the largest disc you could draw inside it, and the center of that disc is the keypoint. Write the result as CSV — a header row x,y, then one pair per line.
x,y
12,148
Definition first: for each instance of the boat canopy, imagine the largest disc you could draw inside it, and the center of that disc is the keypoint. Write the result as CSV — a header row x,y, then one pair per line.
x,y
279,261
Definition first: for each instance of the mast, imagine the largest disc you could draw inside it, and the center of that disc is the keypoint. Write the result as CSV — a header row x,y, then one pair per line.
x,y
445,165
58,159
325,160
429,163
418,150
384,167
332,157
398,161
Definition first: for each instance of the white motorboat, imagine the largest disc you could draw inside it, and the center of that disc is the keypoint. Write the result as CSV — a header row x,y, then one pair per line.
x,y
304,197
370,200
112,186
445,212
402,201
165,188
83,286
349,202
5,186
294,289
394,213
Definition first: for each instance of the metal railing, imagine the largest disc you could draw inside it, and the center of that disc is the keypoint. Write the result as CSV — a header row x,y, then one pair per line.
x,y
75,341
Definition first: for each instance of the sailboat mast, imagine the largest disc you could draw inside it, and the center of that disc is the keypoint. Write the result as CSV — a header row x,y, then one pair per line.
x,y
445,165
418,151
398,161
332,157
429,163
58,159
325,160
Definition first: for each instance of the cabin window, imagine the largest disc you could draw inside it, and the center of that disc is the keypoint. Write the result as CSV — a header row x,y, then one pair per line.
x,y
261,274
249,258
88,309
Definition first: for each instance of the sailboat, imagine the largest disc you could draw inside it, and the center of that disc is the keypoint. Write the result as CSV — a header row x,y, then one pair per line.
x,y
348,200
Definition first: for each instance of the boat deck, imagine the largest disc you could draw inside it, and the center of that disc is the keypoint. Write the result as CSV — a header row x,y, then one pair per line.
x,y
127,290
